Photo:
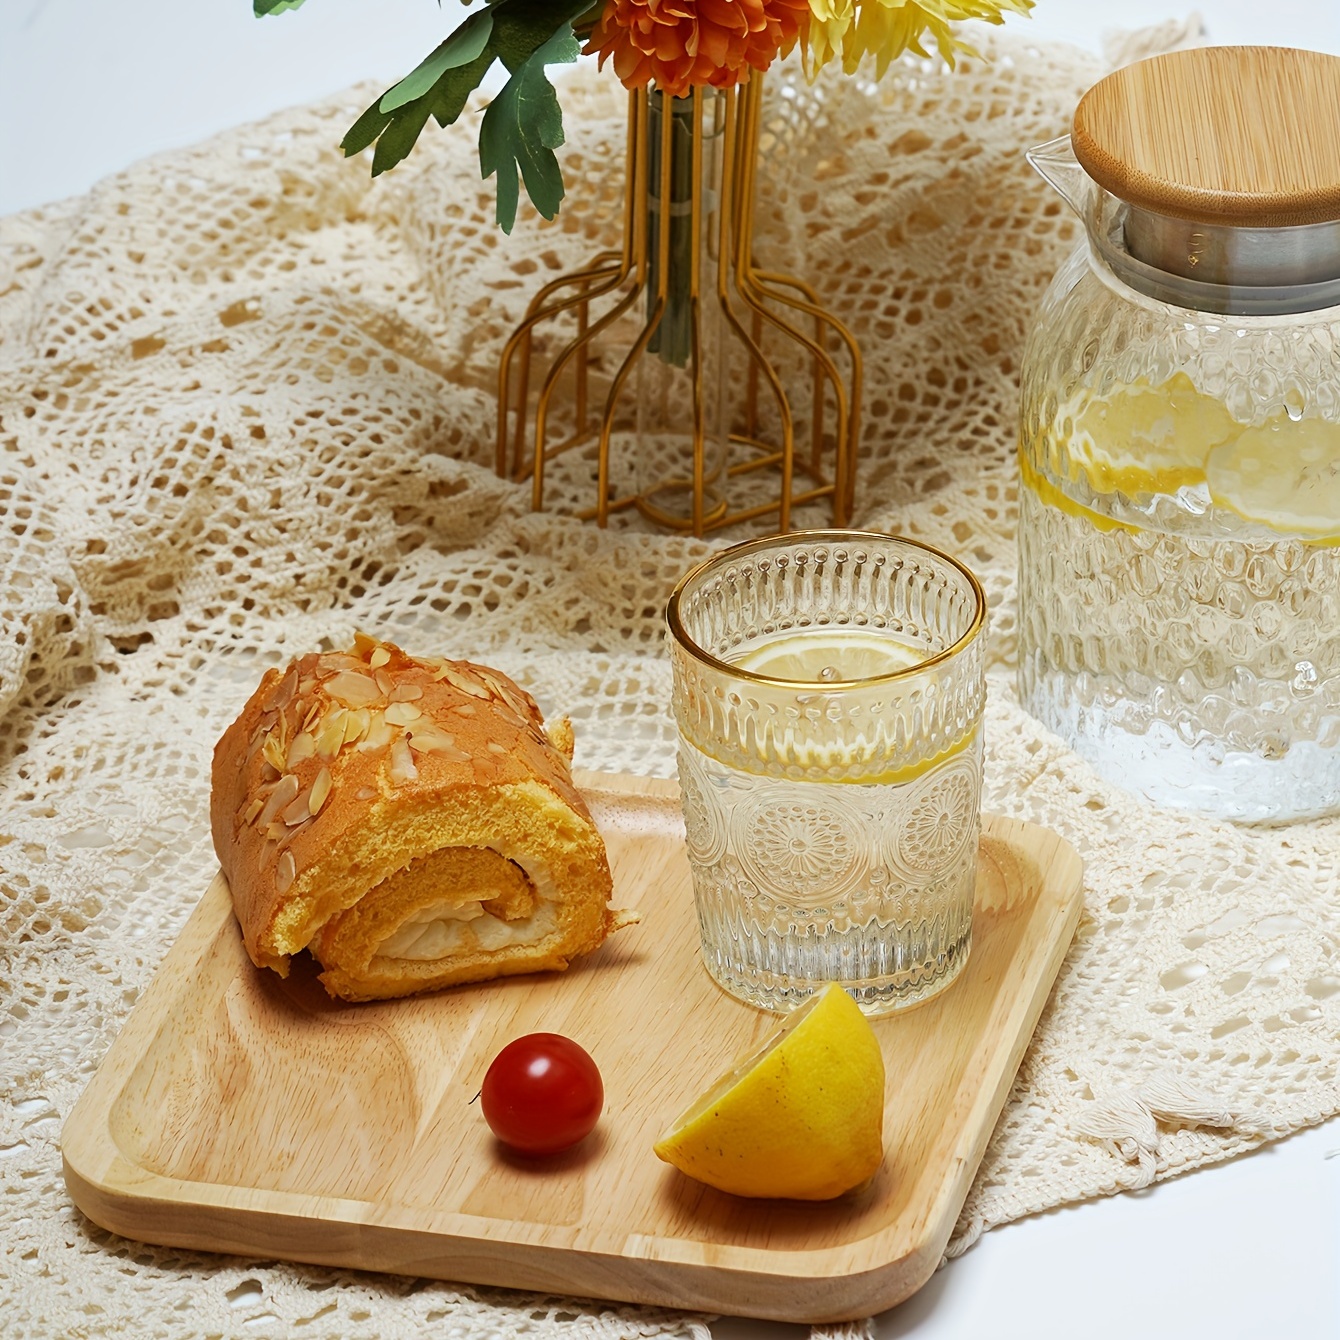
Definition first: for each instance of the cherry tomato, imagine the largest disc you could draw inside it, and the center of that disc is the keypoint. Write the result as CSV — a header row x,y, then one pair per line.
x,y
542,1094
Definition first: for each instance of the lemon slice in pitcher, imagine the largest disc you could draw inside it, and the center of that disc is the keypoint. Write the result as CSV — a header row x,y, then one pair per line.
x,y
1284,474
803,1118
1147,439
831,655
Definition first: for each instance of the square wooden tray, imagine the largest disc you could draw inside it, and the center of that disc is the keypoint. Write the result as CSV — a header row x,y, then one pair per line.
x,y
239,1112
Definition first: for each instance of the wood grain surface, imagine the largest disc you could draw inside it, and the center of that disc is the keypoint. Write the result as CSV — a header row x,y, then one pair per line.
x,y
241,1112
1244,136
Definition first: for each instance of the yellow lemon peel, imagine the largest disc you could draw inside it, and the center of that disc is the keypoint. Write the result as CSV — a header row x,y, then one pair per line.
x,y
802,1118
1144,439
1053,497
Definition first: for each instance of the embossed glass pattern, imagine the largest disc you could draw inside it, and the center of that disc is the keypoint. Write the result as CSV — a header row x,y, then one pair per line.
x,y
831,825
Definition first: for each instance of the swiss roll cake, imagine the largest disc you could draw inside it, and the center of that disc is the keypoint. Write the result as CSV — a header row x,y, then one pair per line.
x,y
409,821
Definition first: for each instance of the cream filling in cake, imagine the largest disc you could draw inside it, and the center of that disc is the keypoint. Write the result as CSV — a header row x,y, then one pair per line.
x,y
451,926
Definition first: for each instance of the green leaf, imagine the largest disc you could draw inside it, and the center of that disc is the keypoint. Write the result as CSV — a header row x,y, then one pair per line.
x,y
365,130
260,8
463,47
453,92
395,142
521,27
523,126
397,132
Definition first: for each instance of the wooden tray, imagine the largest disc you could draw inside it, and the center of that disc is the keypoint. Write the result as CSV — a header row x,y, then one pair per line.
x,y
239,1112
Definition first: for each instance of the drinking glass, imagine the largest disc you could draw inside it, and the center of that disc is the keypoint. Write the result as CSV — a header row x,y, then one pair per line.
x,y
828,688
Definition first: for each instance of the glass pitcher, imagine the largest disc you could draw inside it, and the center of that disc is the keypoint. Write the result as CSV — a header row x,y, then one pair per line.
x,y
1179,453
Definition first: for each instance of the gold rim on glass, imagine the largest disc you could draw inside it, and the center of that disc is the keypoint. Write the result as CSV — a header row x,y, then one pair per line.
x,y
830,537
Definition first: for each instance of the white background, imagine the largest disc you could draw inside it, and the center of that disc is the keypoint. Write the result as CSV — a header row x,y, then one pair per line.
x,y
1248,1249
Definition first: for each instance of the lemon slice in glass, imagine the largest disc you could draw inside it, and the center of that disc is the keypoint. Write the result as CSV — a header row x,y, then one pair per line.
x,y
1284,474
831,655
802,1118
838,656
1147,439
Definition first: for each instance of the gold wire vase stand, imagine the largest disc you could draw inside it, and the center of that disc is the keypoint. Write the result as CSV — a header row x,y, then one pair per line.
x,y
756,384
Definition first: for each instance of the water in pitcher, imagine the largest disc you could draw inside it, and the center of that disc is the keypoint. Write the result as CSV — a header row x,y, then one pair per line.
x,y
1180,597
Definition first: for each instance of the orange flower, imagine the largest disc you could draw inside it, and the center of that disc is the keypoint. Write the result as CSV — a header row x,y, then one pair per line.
x,y
686,44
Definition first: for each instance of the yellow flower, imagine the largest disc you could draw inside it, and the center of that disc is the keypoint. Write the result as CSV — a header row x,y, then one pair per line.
x,y
829,22
885,29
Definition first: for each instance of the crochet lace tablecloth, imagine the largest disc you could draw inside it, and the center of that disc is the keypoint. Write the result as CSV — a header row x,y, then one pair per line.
x,y
246,406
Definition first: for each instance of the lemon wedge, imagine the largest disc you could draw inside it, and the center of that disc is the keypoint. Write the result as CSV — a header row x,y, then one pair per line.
x,y
831,655
1146,439
1284,474
802,1118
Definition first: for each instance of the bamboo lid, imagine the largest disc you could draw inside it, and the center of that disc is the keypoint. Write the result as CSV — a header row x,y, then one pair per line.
x,y
1246,137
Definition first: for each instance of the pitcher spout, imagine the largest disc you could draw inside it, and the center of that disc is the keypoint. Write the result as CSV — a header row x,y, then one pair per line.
x,y
1056,164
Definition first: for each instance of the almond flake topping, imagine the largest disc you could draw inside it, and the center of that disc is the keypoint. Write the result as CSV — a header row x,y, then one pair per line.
x,y
285,872
287,688
283,794
512,698
495,748
277,829
340,660
427,731
379,658
430,740
320,790
352,689
297,812
303,746
383,681
380,734
405,693
356,724
281,694
365,793
253,810
402,762
466,683
402,714
330,733
273,752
